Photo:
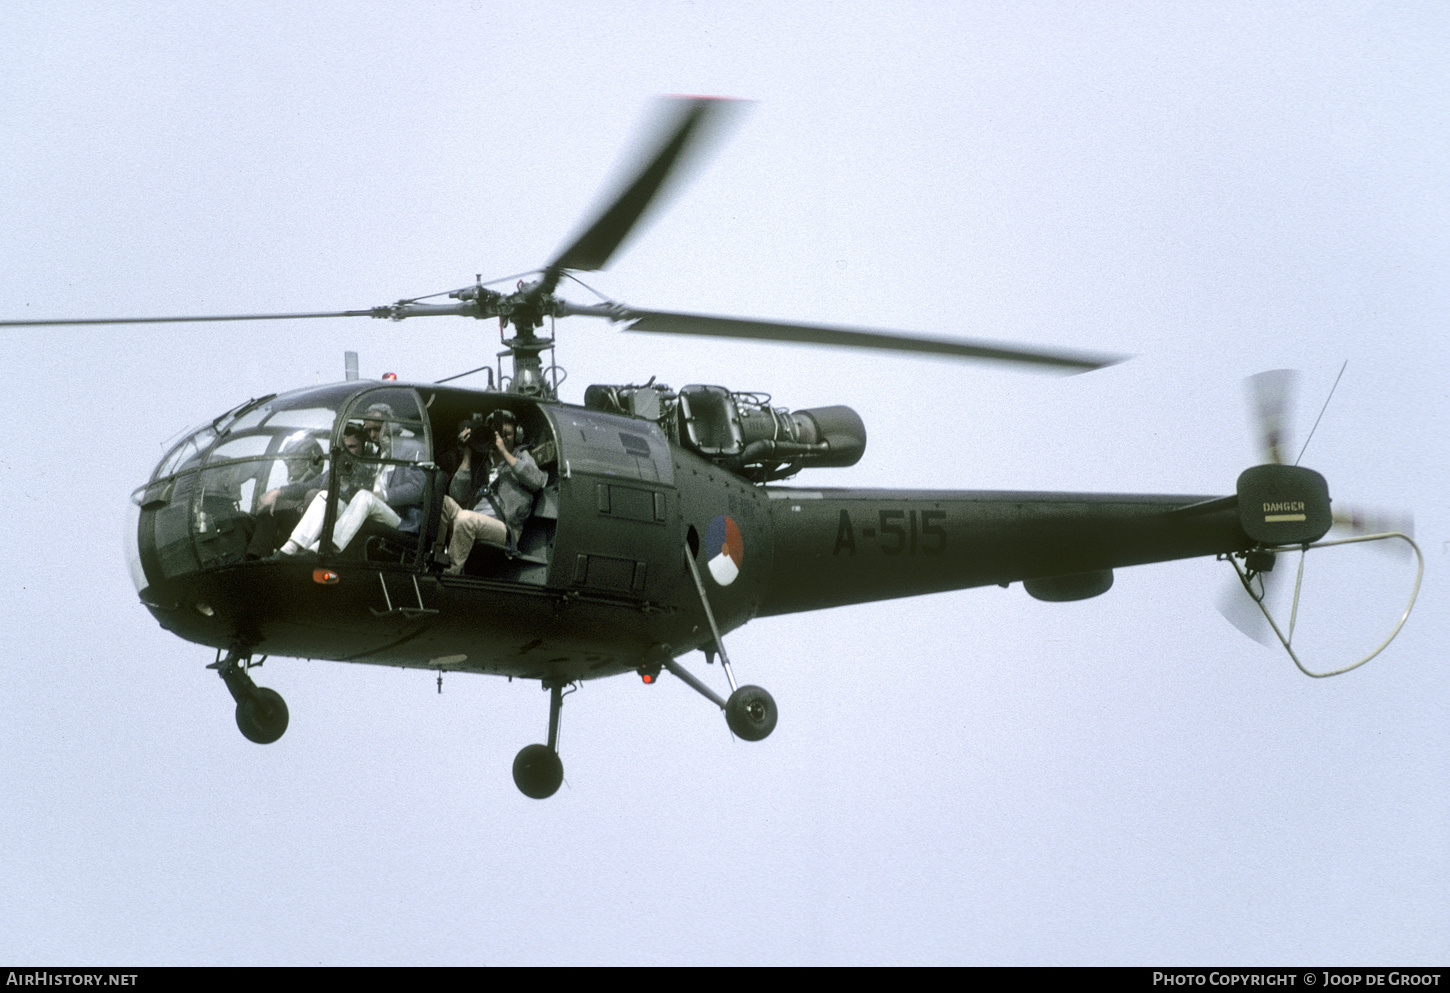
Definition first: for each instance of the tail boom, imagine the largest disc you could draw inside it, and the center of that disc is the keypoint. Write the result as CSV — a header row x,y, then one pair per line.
x,y
841,546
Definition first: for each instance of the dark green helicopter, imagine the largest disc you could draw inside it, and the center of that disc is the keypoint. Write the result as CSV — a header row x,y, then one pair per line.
x,y
655,528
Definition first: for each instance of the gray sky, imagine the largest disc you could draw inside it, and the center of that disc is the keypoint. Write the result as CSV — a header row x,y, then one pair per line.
x,y
972,777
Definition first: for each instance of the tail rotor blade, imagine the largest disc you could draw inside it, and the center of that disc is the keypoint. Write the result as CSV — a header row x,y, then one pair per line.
x,y
1367,520
1240,610
1355,520
1271,397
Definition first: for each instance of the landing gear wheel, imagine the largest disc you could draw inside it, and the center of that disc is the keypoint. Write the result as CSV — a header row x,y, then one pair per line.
x,y
538,771
262,716
751,713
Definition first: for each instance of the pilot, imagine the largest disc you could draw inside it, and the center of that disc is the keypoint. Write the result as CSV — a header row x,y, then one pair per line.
x,y
279,512
500,490
306,459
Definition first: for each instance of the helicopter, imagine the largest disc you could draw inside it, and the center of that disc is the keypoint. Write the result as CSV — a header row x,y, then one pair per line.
x,y
657,527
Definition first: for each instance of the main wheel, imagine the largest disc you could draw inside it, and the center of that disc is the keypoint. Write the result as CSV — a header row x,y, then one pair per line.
x,y
262,716
538,771
751,713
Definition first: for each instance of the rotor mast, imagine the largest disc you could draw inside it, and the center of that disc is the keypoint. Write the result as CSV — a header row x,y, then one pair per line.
x,y
683,125
524,310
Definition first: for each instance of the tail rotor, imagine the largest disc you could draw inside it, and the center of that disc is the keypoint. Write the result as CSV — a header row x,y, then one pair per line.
x,y
1271,399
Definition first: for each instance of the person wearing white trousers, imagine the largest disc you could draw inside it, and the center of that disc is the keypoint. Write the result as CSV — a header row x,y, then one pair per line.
x,y
363,507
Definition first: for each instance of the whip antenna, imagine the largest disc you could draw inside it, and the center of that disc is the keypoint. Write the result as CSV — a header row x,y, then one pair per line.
x,y
1322,410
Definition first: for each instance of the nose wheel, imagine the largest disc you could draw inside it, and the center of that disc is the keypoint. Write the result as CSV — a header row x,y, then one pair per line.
x,y
538,771
261,712
262,718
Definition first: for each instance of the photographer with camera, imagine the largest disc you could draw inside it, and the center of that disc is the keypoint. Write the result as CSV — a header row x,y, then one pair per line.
x,y
496,479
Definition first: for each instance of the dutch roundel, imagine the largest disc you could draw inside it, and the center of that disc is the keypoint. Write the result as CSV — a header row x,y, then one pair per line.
x,y
725,548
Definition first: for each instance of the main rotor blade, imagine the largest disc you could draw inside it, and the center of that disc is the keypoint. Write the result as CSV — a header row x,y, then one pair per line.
x,y
187,320
1271,396
666,322
592,249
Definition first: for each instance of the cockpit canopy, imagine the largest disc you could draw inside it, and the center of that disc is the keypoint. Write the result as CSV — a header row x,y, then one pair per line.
x,y
361,469
296,430
205,490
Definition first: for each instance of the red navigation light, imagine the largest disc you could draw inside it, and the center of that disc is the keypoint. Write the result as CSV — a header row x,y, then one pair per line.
x,y
325,576
390,376
646,677
649,672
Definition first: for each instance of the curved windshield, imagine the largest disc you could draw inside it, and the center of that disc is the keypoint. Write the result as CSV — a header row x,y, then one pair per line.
x,y
187,453
209,494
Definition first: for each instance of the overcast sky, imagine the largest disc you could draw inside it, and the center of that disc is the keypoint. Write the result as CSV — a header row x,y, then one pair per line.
x,y
971,777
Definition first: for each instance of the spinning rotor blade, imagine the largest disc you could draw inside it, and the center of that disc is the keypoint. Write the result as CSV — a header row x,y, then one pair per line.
x,y
1239,609
189,320
666,322
1271,394
1366,520
592,249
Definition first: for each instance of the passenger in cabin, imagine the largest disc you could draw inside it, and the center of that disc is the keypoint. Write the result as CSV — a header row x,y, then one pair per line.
x,y
292,499
392,495
400,486
378,425
458,460
497,479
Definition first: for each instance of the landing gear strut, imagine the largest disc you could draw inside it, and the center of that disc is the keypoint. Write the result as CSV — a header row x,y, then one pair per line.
x,y
261,712
537,769
750,711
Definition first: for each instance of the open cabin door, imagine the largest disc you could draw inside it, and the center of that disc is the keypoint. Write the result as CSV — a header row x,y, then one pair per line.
x,y
528,556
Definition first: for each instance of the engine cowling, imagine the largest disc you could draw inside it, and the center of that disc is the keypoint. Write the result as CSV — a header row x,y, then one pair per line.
x,y
742,431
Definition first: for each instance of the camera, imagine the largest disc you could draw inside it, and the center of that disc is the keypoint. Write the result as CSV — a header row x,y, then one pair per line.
x,y
484,429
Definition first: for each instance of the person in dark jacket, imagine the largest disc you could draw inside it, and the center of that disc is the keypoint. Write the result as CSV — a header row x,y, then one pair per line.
x,y
499,486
